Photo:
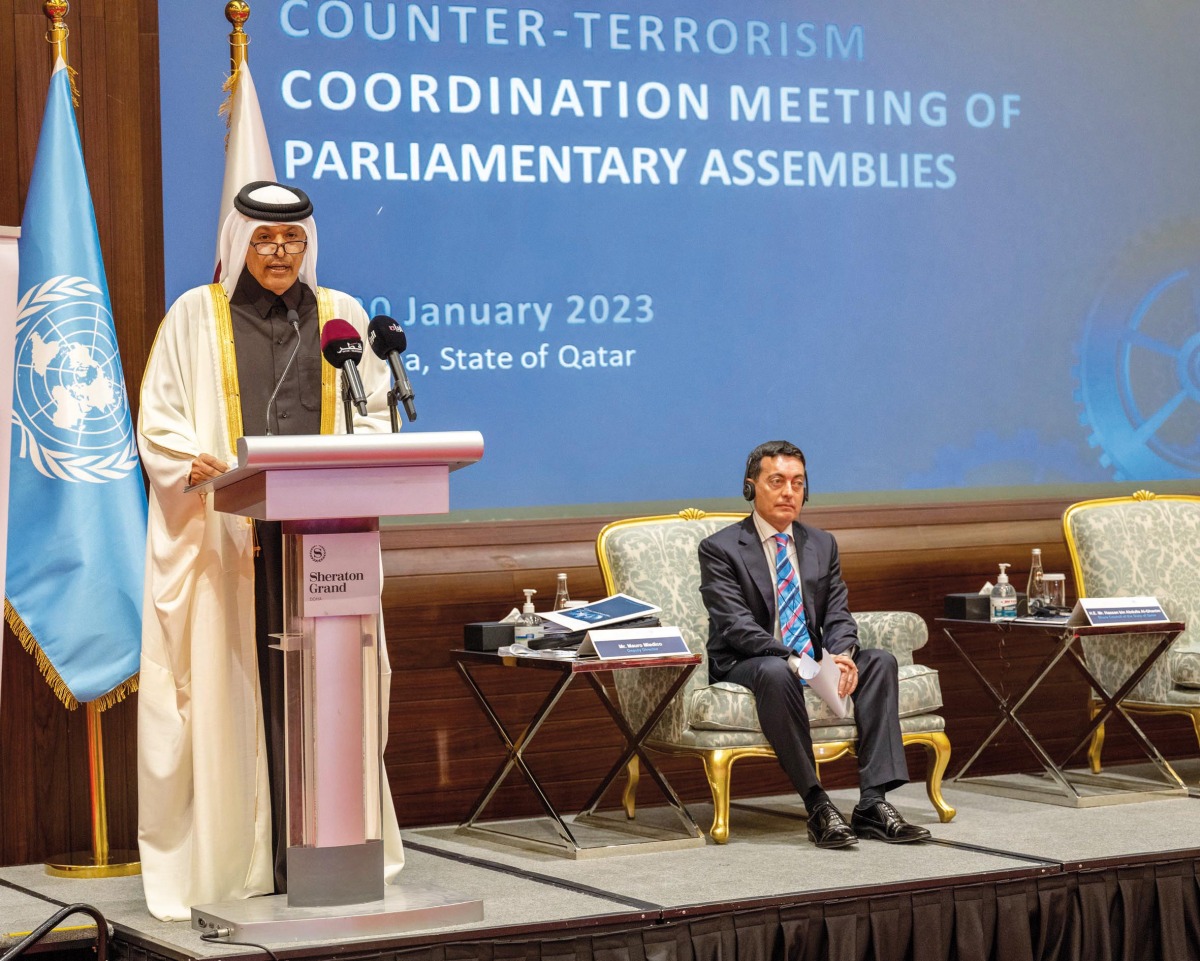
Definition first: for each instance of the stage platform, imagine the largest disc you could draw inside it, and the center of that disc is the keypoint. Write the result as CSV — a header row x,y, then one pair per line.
x,y
1006,879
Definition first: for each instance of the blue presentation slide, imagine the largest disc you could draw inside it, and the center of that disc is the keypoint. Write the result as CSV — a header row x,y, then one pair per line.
x,y
940,246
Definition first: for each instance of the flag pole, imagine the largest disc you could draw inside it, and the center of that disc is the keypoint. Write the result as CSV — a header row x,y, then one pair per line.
x,y
56,34
101,862
237,12
247,152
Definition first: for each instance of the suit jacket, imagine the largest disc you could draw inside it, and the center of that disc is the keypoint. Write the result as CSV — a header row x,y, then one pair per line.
x,y
738,588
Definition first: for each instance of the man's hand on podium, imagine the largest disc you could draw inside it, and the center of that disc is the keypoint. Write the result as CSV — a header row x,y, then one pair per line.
x,y
205,467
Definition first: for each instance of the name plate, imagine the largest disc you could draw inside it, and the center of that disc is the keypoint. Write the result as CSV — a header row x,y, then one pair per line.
x,y
1116,611
341,574
617,644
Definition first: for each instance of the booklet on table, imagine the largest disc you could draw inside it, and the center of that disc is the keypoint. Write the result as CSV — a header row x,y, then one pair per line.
x,y
603,613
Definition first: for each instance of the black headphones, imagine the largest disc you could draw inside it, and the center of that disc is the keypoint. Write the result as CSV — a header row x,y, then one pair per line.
x,y
748,489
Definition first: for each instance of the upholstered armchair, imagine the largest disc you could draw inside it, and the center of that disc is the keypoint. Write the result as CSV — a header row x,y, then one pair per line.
x,y
655,559
1144,545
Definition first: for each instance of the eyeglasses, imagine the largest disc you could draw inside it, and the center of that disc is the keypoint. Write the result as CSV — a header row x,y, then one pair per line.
x,y
268,248
777,481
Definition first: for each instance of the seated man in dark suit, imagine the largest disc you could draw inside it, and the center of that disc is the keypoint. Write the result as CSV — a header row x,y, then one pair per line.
x,y
748,573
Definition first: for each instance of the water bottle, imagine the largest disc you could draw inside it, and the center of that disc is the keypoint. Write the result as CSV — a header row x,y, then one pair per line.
x,y
561,597
1035,590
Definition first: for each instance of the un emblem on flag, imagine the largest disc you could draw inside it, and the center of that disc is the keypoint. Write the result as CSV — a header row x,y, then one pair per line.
x,y
69,399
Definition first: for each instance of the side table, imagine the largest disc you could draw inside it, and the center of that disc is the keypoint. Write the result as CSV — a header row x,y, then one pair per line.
x,y
606,835
1058,785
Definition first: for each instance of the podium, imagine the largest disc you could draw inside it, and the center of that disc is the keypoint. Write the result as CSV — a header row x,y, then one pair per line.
x,y
328,492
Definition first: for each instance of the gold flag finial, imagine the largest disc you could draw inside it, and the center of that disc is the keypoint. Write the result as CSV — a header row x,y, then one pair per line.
x,y
237,12
56,35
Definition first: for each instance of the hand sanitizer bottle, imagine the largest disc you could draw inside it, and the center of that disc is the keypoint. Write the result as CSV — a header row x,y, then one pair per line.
x,y
1004,598
529,626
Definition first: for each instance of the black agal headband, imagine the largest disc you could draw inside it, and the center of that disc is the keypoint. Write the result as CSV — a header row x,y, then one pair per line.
x,y
250,202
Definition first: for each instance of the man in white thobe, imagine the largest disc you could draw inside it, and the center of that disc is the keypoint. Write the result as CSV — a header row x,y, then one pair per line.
x,y
224,364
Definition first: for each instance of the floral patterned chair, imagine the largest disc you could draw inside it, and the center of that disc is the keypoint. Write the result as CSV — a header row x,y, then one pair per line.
x,y
1143,545
655,559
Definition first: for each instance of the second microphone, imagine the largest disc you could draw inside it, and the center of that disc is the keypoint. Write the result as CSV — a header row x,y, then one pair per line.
x,y
388,340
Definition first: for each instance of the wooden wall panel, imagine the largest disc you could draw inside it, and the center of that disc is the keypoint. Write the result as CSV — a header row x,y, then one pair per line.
x,y
9,140
44,807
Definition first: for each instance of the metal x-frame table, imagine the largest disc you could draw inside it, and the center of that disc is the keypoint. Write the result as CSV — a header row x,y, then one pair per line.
x,y
622,834
1059,786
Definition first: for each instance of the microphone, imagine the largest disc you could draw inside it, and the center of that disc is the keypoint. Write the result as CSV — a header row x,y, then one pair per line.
x,y
342,347
294,320
389,342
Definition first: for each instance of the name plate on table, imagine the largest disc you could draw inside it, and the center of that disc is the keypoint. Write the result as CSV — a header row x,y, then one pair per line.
x,y
1116,612
341,574
618,644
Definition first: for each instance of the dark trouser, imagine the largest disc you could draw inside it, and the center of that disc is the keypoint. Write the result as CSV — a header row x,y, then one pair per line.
x,y
783,716
268,620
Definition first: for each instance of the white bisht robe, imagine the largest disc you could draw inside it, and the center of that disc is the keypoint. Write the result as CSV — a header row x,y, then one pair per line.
x,y
204,813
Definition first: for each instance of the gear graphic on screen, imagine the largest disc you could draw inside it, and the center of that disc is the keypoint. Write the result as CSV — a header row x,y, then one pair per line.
x,y
1138,375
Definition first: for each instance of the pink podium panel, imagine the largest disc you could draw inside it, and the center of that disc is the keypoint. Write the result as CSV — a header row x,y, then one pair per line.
x,y
329,492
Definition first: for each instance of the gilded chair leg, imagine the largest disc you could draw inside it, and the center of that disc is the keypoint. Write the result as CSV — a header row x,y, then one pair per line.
x,y
1097,744
717,766
633,772
937,746
1196,723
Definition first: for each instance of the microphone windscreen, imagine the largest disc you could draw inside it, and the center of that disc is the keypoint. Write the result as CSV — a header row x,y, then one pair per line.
x,y
386,335
340,342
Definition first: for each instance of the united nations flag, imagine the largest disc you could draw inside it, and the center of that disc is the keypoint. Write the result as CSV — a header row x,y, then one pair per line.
x,y
77,505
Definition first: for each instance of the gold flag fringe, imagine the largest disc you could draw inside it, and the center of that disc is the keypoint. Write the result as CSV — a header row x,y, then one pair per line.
x,y
26,639
226,109
73,77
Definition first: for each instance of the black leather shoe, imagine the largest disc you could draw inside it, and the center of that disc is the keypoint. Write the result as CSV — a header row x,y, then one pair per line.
x,y
884,823
828,829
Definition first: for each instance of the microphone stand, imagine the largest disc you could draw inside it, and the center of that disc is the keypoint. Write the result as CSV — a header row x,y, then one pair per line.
x,y
393,400
348,409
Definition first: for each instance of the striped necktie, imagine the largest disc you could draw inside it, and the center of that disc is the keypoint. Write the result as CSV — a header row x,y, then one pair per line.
x,y
793,627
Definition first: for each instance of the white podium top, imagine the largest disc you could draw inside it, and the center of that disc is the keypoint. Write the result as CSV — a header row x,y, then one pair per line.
x,y
314,476
453,449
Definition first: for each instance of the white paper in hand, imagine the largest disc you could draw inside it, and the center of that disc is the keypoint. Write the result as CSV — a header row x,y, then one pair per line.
x,y
823,676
